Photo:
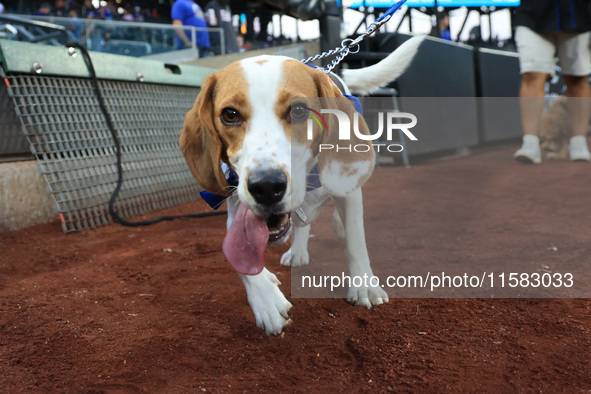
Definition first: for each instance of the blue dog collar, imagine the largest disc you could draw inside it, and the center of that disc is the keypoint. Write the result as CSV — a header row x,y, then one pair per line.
x,y
216,200
356,103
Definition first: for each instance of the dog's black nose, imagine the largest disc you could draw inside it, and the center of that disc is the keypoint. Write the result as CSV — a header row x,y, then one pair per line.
x,y
267,187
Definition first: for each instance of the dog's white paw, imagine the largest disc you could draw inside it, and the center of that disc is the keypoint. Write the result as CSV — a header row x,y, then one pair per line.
x,y
367,296
269,305
293,258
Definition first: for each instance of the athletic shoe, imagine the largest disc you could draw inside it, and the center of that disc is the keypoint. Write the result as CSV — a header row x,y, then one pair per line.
x,y
529,153
578,149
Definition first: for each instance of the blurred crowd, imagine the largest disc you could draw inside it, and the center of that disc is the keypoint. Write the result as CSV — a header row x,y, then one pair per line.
x,y
107,10
210,13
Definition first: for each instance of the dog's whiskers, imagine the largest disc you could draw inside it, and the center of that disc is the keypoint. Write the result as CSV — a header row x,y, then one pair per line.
x,y
234,203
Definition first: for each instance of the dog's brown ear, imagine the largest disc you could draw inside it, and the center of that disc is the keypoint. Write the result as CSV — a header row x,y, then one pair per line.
x,y
344,165
200,142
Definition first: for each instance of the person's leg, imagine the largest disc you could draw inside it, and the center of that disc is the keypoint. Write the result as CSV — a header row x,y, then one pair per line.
x,y
579,110
575,58
531,100
579,107
536,60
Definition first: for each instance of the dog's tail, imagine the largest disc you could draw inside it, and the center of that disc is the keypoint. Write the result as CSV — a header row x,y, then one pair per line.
x,y
368,79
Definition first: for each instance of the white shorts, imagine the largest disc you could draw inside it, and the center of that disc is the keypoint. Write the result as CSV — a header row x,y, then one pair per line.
x,y
537,51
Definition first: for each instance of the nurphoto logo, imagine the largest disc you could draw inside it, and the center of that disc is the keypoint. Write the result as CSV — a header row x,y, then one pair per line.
x,y
393,121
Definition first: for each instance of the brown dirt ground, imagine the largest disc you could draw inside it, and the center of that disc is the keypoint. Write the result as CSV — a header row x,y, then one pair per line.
x,y
158,309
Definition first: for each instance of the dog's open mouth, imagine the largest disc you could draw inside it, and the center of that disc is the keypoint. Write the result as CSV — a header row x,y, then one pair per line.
x,y
279,226
248,236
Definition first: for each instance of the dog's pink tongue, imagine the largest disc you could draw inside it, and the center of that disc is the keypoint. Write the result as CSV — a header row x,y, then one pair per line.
x,y
245,242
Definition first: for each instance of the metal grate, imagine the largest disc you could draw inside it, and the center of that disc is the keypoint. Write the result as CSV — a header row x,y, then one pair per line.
x,y
12,141
70,139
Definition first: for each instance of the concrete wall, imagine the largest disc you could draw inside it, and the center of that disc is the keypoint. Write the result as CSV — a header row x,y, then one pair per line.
x,y
24,199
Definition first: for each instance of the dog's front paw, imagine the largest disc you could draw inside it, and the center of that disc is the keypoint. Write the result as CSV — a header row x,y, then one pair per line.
x,y
367,296
293,258
269,305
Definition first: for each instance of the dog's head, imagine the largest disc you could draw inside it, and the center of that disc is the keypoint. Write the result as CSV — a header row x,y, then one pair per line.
x,y
252,115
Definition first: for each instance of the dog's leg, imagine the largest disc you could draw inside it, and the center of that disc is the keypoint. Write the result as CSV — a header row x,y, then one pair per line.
x,y
351,211
297,255
269,305
337,224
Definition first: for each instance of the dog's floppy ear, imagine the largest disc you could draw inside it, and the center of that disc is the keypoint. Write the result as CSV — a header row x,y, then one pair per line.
x,y
343,165
200,142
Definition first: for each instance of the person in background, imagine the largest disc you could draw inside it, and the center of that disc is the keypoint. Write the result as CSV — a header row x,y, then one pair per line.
x,y
545,28
442,28
219,14
108,11
86,8
44,10
241,46
188,13
59,8
75,28
128,14
93,35
137,14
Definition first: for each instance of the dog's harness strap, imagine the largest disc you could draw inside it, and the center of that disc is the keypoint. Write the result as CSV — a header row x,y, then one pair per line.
x,y
355,102
313,179
216,200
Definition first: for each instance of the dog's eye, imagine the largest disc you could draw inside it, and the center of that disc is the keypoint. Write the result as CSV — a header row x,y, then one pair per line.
x,y
231,117
298,113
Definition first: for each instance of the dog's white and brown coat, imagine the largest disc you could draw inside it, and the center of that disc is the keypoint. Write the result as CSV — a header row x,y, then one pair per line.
x,y
244,116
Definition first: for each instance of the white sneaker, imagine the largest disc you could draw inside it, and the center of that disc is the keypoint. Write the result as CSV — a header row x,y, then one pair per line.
x,y
529,153
578,149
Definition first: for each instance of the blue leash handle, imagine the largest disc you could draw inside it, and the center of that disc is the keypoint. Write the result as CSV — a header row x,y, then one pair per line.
x,y
391,11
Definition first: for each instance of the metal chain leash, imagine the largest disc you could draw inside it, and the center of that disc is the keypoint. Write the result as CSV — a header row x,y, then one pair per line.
x,y
349,45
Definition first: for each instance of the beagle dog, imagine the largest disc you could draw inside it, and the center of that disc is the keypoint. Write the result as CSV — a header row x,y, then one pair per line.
x,y
245,139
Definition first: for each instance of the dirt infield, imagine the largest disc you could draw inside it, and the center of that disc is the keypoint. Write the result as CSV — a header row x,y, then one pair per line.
x,y
159,309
